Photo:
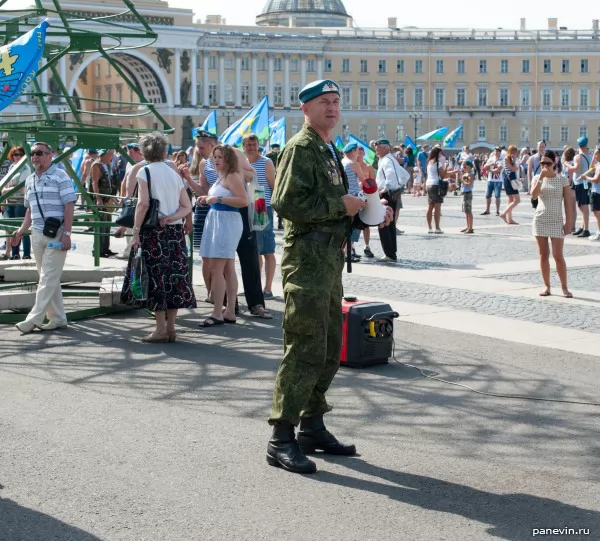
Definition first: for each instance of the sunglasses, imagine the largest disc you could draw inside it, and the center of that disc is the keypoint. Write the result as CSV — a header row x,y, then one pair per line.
x,y
18,155
38,153
547,163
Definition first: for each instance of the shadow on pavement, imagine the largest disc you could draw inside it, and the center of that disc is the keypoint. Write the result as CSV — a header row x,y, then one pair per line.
x,y
18,523
510,516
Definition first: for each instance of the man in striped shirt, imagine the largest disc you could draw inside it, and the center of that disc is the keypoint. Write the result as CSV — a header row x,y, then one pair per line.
x,y
49,193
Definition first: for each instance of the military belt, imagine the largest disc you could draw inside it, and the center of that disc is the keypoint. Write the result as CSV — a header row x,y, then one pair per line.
x,y
325,238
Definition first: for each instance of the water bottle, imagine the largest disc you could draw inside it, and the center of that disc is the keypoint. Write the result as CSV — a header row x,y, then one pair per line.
x,y
58,245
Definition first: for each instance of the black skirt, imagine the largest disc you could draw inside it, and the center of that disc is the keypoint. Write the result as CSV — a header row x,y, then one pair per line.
x,y
170,285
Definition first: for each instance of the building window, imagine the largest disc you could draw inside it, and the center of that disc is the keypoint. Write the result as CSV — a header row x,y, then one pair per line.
x,y
504,97
97,70
598,136
363,132
584,65
328,65
345,65
278,94
400,98
461,97
565,97
108,69
199,93
525,97
483,66
547,66
583,131
419,93
440,98
346,97
229,93
294,65
481,132
418,66
108,97
261,91
503,66
212,62
503,134
364,66
212,92
310,65
277,64
295,129
482,96
546,98
400,132
120,96
245,93
461,136
564,134
245,63
382,98
198,60
564,67
382,66
262,64
525,134
294,90
460,66
546,133
525,65
400,66
229,62
439,66
584,98
364,98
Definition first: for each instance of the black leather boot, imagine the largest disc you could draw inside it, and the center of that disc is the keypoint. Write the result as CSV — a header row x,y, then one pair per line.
x,y
283,451
313,436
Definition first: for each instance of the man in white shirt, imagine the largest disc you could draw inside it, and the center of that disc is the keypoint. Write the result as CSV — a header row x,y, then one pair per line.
x,y
494,185
391,177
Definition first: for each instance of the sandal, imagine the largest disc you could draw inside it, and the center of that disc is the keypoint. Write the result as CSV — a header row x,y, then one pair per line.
x,y
261,312
214,322
545,292
230,321
156,338
567,294
172,337
513,223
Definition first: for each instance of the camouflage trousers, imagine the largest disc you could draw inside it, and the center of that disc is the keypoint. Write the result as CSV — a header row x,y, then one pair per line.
x,y
312,329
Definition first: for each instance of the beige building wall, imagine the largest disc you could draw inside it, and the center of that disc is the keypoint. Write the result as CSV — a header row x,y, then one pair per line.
x,y
507,87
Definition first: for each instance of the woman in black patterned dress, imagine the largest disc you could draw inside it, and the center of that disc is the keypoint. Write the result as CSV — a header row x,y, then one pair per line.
x,y
163,247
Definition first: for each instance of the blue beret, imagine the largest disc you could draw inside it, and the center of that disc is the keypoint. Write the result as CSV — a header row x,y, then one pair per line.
x,y
582,141
350,147
133,145
92,151
204,133
318,88
102,151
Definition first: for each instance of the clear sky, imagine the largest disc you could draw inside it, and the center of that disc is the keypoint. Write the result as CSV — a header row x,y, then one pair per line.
x,y
433,13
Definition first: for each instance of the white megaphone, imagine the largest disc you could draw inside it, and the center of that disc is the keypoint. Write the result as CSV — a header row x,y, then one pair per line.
x,y
374,212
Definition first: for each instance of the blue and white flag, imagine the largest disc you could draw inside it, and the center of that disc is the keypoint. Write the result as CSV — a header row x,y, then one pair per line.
x,y
209,125
435,135
410,143
19,62
254,121
451,138
278,129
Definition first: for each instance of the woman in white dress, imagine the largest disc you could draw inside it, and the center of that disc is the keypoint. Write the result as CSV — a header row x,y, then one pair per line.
x,y
552,192
222,232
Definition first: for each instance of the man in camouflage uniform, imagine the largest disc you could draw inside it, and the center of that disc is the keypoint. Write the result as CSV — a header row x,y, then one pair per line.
x,y
311,193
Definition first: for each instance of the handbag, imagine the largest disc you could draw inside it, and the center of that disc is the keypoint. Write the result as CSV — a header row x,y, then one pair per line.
x,y
127,216
443,185
51,225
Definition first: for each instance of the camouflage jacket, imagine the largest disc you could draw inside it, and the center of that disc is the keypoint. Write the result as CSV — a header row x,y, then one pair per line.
x,y
309,187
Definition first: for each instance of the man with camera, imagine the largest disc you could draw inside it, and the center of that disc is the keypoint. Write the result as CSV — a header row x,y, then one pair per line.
x,y
50,202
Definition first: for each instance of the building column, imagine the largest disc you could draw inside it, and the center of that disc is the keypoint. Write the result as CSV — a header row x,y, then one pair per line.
x,y
270,61
286,81
319,67
62,67
238,79
302,71
205,79
176,93
221,80
254,84
194,78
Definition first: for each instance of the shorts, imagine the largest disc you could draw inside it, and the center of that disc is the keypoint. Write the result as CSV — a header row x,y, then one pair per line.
x,y
495,187
355,235
508,186
433,195
399,204
595,201
467,202
265,239
582,195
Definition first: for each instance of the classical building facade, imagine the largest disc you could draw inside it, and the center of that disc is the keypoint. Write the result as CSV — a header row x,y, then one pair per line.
x,y
507,87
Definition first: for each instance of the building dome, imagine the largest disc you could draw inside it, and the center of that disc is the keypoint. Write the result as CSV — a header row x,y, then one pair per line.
x,y
329,13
